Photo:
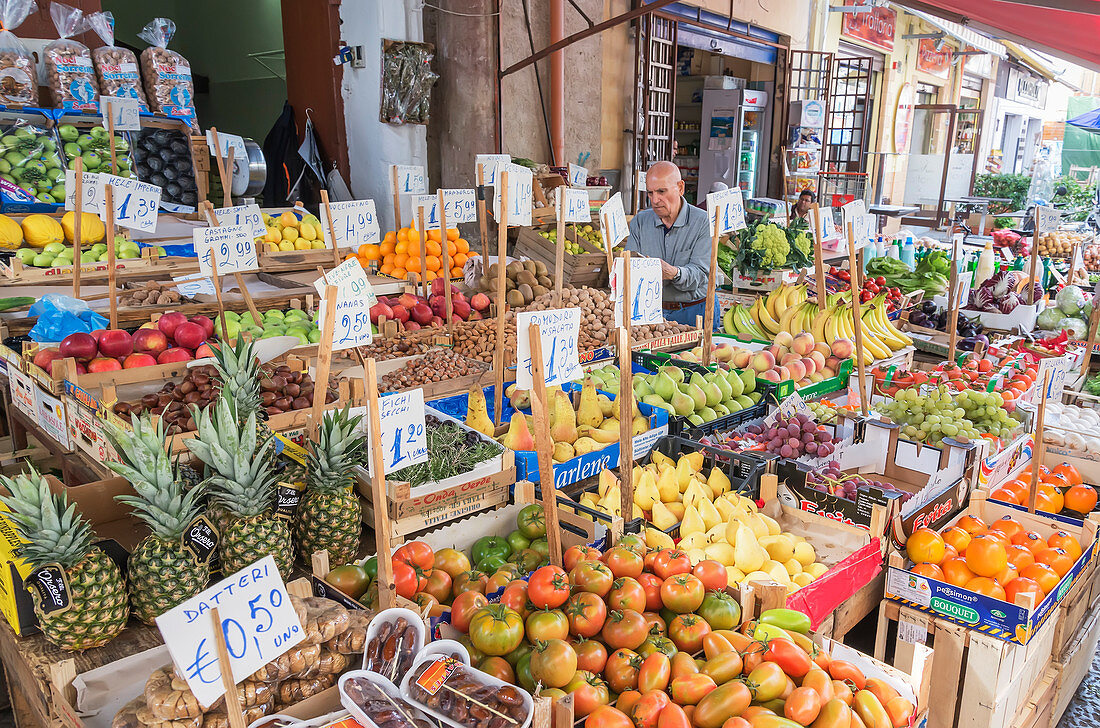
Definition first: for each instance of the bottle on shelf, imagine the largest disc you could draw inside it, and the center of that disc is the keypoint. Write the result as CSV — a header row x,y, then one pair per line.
x,y
908,251
983,269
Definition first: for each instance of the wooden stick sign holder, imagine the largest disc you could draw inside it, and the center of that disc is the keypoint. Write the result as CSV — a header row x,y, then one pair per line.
x,y
1094,320
540,411
502,254
396,197
223,162
324,360
332,230
78,210
1039,448
236,275
819,261
857,323
559,252
387,588
626,406
112,288
708,309
422,236
445,245
953,306
232,699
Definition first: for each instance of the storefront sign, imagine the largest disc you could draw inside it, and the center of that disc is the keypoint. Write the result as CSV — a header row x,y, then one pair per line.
x,y
1025,88
931,61
903,119
875,28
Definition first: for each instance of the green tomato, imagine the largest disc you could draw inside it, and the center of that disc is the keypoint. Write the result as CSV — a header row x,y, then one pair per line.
x,y
128,254
531,521
490,546
540,546
720,610
518,541
491,563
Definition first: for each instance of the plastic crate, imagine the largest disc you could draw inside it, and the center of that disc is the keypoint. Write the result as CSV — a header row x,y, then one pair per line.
x,y
653,360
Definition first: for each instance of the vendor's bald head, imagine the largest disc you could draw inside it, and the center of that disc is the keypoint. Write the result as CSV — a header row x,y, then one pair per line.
x,y
665,188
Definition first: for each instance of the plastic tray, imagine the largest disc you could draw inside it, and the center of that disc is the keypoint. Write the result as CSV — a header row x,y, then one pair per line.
x,y
385,686
446,648
390,616
484,678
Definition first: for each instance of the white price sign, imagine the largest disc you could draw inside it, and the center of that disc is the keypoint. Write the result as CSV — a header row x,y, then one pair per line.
x,y
350,280
826,229
351,327
428,207
404,440
248,216
460,206
578,175
355,222
227,142
91,192
863,224
646,291
124,112
194,285
258,623
728,208
1059,370
559,330
411,179
575,205
613,225
488,164
230,245
135,203
1046,219
520,194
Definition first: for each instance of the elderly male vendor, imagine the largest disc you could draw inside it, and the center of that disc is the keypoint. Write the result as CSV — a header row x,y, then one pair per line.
x,y
678,234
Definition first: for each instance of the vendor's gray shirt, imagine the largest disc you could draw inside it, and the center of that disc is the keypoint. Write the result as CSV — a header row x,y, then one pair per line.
x,y
685,245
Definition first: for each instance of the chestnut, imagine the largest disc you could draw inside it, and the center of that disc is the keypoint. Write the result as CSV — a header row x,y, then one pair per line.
x,y
300,403
292,390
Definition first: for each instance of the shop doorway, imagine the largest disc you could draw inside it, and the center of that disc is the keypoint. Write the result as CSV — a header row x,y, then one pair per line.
x,y
844,177
941,163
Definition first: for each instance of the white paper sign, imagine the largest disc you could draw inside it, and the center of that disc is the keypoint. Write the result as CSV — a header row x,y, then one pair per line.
x,y
428,206
355,222
350,280
124,111
91,191
575,205
641,182
646,291
351,327
559,330
520,194
227,141
194,285
257,620
578,175
488,163
411,179
1046,219
248,216
912,633
404,439
826,229
1059,369
51,417
22,392
728,207
863,224
135,203
231,246
613,225
460,206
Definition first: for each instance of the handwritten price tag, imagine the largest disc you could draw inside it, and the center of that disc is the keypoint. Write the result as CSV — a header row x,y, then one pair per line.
x,y
135,203
1046,219
863,225
227,142
559,330
351,327
613,225
1059,369
411,179
488,163
354,221
194,285
258,623
92,192
404,439
646,290
460,206
350,280
578,175
575,205
248,216
520,194
230,245
728,207
124,111
827,229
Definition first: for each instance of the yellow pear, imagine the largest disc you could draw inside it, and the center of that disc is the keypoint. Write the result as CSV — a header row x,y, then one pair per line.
x,y
639,424
734,576
635,511
607,407
695,492
711,517
720,552
757,576
732,526
691,522
645,492
694,540
724,508
666,465
747,503
780,547
792,587
696,555
684,472
816,569
771,523
607,480
588,410
805,554
655,539
753,521
589,499
563,452
718,482
694,459
748,555
802,579
662,517
612,501
717,534
667,486
778,572
792,567
658,458
677,509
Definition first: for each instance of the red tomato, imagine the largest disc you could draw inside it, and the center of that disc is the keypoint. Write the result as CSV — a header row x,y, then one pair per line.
x,y
627,699
712,574
657,624
652,585
655,672
846,671
834,713
405,579
673,716
690,689
686,632
604,716
470,581
515,596
843,692
627,593
498,581
635,542
588,691
439,585
591,655
621,670
802,705
593,577
548,587
417,554
682,664
587,613
789,656
670,562
498,667
576,554
647,711
624,562
682,593
625,628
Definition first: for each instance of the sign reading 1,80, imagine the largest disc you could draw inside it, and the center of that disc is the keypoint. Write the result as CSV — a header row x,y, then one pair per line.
x,y
231,246
135,202
404,440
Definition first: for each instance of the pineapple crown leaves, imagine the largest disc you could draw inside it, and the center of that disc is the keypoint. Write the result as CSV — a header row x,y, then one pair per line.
x,y
239,371
54,531
338,448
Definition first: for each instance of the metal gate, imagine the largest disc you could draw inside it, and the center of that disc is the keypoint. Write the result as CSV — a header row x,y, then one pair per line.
x,y
655,54
809,78
848,124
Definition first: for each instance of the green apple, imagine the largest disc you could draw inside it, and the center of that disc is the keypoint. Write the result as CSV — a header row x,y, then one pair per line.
x,y
99,248
314,336
43,260
89,257
274,315
67,132
232,316
128,254
54,248
26,255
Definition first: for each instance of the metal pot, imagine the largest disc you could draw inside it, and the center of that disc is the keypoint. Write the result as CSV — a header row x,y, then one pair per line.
x,y
250,175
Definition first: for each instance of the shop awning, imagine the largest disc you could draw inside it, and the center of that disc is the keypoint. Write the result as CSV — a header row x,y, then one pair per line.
x,y
1032,61
1089,121
965,35
1061,33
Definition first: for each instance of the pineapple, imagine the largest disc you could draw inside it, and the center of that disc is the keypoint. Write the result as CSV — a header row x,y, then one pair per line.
x,y
242,482
162,571
329,515
239,374
57,534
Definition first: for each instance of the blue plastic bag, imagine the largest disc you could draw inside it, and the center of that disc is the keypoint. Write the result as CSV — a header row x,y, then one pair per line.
x,y
59,316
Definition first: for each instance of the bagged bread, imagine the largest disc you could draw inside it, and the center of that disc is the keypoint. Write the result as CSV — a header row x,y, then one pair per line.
x,y
167,74
18,79
70,75
116,68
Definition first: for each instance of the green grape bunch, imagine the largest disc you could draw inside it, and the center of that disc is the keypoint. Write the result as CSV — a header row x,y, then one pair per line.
x,y
940,413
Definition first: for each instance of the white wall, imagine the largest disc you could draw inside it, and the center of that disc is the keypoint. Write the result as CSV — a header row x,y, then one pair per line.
x,y
373,145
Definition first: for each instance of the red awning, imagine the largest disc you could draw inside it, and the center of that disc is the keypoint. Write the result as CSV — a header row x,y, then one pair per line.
x,y
1062,33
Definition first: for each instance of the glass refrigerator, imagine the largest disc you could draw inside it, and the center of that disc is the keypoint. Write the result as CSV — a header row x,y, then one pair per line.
x,y
733,138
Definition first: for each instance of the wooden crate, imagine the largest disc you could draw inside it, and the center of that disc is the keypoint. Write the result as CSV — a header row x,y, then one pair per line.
x,y
1074,608
977,680
450,387
1073,662
1039,706
149,265
583,269
294,260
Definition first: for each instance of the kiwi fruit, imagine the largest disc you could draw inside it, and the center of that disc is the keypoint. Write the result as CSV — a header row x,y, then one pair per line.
x,y
529,265
541,269
526,277
539,290
527,292
509,284
515,298
544,281
514,269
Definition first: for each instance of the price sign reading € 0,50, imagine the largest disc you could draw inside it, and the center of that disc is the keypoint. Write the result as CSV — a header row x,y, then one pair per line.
x,y
404,440
258,623
355,223
351,327
646,291
231,246
559,330
136,203
728,207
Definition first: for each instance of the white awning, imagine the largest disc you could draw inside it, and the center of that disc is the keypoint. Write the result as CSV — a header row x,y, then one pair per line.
x,y
962,33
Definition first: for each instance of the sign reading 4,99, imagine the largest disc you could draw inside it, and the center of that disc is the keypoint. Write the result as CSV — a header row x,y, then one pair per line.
x,y
135,203
231,246
258,623
404,441
351,327
559,330
355,222
646,290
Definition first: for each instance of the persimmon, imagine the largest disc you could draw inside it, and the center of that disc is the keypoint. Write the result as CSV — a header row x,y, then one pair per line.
x,y
985,585
1057,559
956,572
932,571
1081,498
1007,525
998,535
1069,472
1023,585
1019,557
1065,541
972,525
925,546
1005,495
1049,499
956,537
1033,541
1006,575
1046,577
986,556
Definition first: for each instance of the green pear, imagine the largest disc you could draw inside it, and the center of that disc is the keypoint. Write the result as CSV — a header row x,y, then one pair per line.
x,y
675,373
737,386
734,405
695,419
744,401
654,400
664,386
721,409
708,414
748,378
712,393
641,388
684,404
697,394
723,385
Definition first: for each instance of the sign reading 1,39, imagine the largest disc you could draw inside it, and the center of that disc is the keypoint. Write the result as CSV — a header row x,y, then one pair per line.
x,y
135,203
404,440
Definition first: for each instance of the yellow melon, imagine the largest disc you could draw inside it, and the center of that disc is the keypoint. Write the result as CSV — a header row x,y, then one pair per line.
x,y
11,235
41,230
92,230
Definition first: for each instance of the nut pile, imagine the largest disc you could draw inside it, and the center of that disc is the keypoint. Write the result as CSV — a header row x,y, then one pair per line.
x,y
382,349
153,294
70,75
286,390
167,77
438,365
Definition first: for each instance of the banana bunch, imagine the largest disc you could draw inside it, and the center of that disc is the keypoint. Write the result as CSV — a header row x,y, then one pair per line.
x,y
740,321
880,338
770,309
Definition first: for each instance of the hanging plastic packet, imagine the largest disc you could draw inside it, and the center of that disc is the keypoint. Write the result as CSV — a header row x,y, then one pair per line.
x,y
70,75
116,68
167,74
18,79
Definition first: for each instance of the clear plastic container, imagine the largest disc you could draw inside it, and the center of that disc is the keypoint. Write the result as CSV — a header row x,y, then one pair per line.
x,y
527,703
401,705
410,642
446,648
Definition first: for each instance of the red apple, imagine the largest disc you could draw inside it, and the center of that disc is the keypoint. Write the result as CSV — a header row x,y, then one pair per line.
x,y
116,344
204,352
169,321
407,300
104,364
80,368
436,321
79,346
206,324
379,310
479,302
138,360
175,354
189,335
400,313
150,341
421,313
45,358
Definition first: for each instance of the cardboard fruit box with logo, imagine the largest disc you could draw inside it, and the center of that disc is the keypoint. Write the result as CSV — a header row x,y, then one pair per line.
x,y
1014,621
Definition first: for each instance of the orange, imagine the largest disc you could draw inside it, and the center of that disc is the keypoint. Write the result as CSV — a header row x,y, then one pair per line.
x,y
1070,473
403,235
430,275
1023,585
1081,498
459,259
1005,495
388,247
1007,525
1066,542
391,237
930,570
399,273
456,272
386,269
1056,559
461,245
956,537
955,572
374,252
986,586
433,263
433,248
1046,577
413,248
1019,557
364,249
986,556
435,236
413,264
452,233
1033,541
399,260
402,247
349,256
971,525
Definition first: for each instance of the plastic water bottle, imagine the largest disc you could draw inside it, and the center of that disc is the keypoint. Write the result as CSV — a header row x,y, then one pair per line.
x,y
907,251
869,253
